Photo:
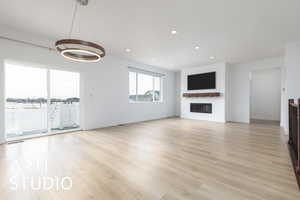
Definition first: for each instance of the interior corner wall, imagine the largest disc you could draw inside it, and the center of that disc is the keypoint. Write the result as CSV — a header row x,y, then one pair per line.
x,y
104,86
178,93
239,84
228,93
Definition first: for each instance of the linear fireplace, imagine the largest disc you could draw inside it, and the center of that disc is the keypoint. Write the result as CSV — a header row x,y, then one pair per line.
x,y
201,107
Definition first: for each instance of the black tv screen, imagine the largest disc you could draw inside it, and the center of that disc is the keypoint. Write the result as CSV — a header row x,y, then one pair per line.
x,y
202,81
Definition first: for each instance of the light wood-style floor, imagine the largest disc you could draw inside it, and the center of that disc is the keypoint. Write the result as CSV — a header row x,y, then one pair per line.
x,y
168,159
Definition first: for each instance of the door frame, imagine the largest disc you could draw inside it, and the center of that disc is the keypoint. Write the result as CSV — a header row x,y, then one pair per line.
x,y
282,91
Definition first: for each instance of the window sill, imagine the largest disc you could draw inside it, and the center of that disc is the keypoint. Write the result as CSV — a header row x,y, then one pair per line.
x,y
145,102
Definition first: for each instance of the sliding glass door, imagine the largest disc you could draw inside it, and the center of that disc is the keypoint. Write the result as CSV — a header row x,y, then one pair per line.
x,y
26,101
40,101
64,100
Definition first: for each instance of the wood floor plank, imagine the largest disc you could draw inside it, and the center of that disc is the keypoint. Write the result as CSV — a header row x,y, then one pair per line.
x,y
163,159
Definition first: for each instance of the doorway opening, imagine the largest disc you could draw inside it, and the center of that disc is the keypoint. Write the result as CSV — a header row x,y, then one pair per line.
x,y
265,98
40,101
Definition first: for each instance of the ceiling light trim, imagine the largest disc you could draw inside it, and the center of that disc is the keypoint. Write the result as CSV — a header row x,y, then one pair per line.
x,y
72,54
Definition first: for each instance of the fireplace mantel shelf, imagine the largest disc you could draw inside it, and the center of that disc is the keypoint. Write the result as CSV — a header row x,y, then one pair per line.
x,y
208,94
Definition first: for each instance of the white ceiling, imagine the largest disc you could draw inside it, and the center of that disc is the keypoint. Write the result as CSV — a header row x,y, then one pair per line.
x,y
231,30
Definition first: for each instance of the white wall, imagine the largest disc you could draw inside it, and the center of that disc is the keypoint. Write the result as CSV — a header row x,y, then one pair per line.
x,y
178,93
266,94
218,103
107,92
292,72
284,106
2,136
228,92
292,64
104,87
240,86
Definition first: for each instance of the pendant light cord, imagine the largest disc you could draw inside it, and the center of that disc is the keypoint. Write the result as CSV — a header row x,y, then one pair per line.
x,y
73,19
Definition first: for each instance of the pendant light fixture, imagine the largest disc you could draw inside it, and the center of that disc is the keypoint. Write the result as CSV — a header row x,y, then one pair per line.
x,y
79,50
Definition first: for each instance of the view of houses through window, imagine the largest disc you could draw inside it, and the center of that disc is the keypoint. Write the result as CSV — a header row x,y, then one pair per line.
x,y
144,87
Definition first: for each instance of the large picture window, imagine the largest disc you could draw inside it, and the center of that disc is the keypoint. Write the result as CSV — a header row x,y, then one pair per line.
x,y
145,86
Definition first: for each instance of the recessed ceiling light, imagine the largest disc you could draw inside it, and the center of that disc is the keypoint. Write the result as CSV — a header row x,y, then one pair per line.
x,y
197,47
173,32
212,57
127,50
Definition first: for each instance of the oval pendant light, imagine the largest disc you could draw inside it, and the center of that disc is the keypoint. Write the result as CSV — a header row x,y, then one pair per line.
x,y
79,50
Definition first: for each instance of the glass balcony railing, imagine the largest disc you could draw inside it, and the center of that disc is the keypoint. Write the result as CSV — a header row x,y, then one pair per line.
x,y
24,119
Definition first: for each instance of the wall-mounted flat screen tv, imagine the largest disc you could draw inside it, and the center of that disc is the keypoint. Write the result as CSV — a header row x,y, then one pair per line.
x,y
202,81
